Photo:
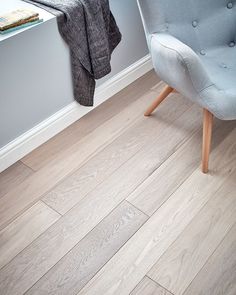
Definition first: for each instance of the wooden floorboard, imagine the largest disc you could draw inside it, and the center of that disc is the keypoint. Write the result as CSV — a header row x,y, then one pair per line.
x,y
64,196
13,176
174,171
187,255
125,270
51,149
88,256
149,287
50,247
68,161
218,276
24,230
117,204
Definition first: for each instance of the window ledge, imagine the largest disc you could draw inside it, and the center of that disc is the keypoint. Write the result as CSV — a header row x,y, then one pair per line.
x,y
6,6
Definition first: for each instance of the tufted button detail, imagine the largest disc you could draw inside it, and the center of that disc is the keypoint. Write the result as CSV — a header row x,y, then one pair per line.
x,y
232,44
194,23
203,52
230,5
224,66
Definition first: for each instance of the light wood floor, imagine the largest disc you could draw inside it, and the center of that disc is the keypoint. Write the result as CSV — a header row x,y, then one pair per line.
x,y
117,204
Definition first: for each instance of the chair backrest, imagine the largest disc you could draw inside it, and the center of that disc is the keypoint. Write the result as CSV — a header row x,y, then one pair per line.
x,y
197,23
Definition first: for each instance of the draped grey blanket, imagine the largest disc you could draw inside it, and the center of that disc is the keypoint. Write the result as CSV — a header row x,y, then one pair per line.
x,y
90,30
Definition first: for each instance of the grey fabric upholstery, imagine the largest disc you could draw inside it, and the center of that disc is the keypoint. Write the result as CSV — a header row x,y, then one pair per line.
x,y
193,48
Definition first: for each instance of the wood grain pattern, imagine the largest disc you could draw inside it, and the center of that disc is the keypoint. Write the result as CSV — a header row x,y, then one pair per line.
x,y
64,196
218,276
187,255
51,149
103,244
32,263
164,181
22,231
13,176
149,287
125,270
88,256
68,161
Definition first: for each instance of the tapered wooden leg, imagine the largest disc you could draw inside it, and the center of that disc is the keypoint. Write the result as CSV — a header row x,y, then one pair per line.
x,y
207,134
166,91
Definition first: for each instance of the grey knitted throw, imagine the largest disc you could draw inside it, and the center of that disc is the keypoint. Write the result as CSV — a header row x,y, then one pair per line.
x,y
90,30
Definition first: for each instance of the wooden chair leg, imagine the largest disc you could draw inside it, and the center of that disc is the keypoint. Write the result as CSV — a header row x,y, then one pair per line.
x,y
166,91
207,134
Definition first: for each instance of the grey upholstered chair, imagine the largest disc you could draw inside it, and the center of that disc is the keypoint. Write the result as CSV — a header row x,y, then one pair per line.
x,y
192,43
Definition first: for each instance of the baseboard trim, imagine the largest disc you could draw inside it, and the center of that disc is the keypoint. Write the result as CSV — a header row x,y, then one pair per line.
x,y
30,140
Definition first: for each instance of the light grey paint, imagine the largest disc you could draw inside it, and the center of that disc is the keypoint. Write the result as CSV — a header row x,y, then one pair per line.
x,y
35,77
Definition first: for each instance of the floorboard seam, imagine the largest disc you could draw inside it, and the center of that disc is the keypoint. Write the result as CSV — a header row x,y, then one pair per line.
x,y
50,207
159,285
26,165
82,240
137,208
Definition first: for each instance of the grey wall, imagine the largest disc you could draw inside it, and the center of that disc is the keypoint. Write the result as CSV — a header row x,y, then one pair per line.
x,y
35,78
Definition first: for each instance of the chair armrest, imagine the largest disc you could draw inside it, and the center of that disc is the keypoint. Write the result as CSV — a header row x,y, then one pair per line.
x,y
177,64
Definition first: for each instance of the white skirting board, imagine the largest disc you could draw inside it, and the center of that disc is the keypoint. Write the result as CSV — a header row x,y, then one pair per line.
x,y
30,140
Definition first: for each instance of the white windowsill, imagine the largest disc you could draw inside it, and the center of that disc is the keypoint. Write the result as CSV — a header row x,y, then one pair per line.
x,y
9,5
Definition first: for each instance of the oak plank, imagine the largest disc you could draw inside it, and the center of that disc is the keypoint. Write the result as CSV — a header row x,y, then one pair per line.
x,y
24,230
187,255
125,270
218,276
68,161
41,156
75,269
32,263
149,287
69,192
13,176
174,171
74,188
